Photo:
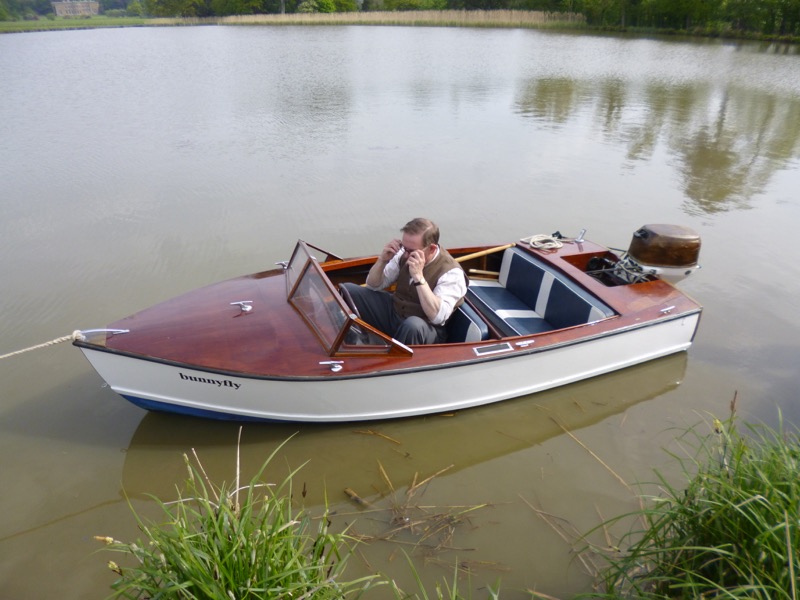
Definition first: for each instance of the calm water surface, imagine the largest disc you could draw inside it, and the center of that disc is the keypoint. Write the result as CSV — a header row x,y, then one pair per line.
x,y
136,164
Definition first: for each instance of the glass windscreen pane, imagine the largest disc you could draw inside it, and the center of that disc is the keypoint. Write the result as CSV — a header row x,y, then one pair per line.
x,y
295,267
318,304
360,339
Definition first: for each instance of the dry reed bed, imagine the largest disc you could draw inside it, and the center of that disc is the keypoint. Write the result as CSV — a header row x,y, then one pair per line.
x,y
444,18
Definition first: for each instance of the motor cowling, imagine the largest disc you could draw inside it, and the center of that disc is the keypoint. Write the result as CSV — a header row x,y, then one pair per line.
x,y
666,251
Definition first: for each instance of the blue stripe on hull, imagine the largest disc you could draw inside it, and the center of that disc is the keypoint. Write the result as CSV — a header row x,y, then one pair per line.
x,y
186,410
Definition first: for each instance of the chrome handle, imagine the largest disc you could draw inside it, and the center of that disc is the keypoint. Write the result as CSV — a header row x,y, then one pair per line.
x,y
336,365
245,305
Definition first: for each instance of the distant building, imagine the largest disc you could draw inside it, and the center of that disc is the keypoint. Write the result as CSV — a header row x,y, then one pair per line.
x,y
79,8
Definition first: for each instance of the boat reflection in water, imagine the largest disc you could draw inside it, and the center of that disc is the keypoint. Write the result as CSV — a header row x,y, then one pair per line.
x,y
351,455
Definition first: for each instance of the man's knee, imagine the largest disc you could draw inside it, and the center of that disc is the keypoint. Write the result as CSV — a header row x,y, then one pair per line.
x,y
414,330
353,288
364,298
374,306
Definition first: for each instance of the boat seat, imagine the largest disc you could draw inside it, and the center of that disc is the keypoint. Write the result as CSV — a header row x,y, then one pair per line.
x,y
531,297
466,325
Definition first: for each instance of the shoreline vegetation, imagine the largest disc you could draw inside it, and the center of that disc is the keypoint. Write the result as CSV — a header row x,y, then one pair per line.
x,y
411,18
731,532
257,541
510,19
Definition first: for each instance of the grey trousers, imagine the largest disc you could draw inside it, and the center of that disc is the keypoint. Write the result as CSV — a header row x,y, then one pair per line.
x,y
377,309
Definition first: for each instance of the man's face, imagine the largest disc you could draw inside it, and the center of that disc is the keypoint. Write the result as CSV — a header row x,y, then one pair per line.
x,y
412,242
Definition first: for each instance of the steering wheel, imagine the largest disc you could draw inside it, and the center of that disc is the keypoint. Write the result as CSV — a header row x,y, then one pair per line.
x,y
348,299
356,335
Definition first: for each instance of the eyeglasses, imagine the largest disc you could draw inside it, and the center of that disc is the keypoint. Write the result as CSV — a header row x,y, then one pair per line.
x,y
408,250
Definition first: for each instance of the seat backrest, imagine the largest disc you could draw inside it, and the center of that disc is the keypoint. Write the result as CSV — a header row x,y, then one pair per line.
x,y
522,275
568,305
549,293
464,325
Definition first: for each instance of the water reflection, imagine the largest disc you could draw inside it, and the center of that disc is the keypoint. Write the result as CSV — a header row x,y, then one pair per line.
x,y
485,458
347,455
726,144
774,48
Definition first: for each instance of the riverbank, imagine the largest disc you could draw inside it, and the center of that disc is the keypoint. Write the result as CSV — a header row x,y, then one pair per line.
x,y
447,18
60,23
414,18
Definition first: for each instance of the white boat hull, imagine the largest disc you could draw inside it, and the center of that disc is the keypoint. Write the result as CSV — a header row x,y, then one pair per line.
x,y
173,388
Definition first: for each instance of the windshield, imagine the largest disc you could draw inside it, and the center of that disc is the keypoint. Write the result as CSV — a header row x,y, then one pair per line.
x,y
311,292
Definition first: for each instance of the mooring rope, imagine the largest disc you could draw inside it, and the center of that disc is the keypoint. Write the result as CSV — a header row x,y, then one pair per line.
x,y
75,335
543,241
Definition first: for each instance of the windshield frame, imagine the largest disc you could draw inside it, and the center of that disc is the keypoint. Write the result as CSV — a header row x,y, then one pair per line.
x,y
312,294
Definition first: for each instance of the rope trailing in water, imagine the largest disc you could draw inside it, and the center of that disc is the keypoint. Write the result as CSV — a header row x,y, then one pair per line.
x,y
543,242
75,335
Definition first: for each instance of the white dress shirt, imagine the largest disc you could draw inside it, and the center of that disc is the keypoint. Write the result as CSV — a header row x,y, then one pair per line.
x,y
451,287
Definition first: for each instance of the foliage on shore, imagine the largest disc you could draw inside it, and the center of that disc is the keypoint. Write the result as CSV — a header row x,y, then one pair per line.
x,y
58,23
232,542
771,20
222,542
445,18
732,532
416,18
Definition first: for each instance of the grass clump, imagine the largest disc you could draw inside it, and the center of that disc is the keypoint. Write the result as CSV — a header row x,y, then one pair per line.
x,y
63,23
412,18
732,532
232,543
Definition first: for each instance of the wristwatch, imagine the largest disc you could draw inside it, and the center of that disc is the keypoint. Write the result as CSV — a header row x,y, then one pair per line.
x,y
418,283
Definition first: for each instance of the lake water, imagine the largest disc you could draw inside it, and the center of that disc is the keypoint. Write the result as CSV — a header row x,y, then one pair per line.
x,y
136,164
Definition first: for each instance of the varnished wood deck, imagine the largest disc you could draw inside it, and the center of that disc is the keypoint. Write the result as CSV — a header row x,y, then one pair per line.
x,y
202,329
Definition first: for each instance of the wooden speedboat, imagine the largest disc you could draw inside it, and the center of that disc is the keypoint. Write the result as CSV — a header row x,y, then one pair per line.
x,y
286,345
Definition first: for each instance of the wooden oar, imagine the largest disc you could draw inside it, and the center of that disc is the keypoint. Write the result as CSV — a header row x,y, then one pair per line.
x,y
484,252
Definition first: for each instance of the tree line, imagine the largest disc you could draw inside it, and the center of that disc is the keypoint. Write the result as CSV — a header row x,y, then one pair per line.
x,y
774,18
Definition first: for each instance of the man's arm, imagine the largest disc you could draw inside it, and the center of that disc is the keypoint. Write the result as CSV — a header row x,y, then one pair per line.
x,y
430,302
451,287
438,303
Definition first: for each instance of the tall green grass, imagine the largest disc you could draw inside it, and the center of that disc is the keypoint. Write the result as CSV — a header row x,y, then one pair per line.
x,y
415,18
233,543
732,532
57,23
418,18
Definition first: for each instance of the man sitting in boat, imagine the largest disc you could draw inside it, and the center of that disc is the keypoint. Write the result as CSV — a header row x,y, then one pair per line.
x,y
430,284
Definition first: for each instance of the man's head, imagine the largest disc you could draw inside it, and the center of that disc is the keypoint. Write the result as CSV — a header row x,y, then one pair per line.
x,y
421,234
425,227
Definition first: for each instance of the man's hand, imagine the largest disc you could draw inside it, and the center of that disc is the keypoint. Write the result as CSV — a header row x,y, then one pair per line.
x,y
389,250
416,262
375,275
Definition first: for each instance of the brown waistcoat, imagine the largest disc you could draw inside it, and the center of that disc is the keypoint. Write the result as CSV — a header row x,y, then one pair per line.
x,y
406,299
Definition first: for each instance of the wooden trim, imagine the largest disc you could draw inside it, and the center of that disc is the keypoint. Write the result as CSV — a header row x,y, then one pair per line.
x,y
467,257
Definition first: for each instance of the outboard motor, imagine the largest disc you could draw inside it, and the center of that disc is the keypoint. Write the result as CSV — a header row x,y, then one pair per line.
x,y
669,252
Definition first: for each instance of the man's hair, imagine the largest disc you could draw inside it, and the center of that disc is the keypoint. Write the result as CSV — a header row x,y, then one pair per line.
x,y
428,229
